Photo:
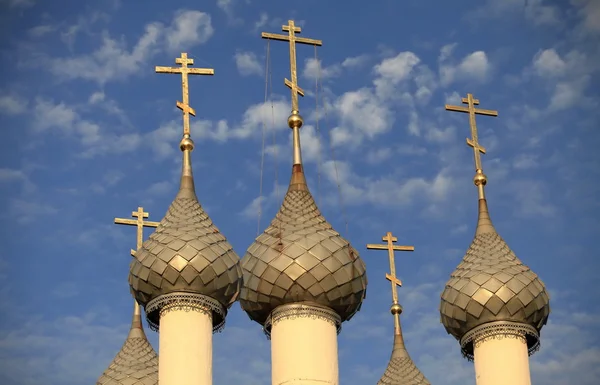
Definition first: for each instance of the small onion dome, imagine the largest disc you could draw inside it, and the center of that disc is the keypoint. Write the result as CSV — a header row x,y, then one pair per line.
x,y
491,284
186,255
137,362
301,258
401,369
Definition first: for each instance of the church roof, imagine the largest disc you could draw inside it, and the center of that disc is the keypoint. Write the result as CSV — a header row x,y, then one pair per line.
x,y
136,363
401,369
492,284
301,258
491,289
187,256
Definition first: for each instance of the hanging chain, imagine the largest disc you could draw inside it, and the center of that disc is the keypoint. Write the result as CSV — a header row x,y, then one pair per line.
x,y
318,132
262,157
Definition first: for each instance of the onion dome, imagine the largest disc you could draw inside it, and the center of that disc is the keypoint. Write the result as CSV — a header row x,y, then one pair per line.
x,y
491,292
401,369
186,259
300,258
489,285
137,362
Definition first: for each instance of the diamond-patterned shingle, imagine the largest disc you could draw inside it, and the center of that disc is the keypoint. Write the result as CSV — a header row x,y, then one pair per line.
x,y
492,284
401,369
299,258
186,253
136,363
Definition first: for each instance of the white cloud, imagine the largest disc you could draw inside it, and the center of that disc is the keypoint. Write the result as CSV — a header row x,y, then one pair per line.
x,y
534,11
12,105
26,211
590,13
41,30
473,67
397,191
378,155
361,114
548,63
188,29
247,63
567,76
355,62
392,71
113,60
313,69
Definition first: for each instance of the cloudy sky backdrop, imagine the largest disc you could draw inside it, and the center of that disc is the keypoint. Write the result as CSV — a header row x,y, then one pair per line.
x,y
90,132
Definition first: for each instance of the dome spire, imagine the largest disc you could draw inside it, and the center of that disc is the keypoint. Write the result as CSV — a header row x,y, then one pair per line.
x,y
137,362
401,369
484,223
295,120
493,304
186,187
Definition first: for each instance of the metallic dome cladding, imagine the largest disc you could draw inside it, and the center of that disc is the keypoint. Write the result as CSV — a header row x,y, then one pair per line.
x,y
492,284
300,258
186,253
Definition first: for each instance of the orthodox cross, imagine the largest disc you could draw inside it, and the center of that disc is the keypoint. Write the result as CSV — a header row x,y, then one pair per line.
x,y
390,247
140,223
184,70
293,39
471,110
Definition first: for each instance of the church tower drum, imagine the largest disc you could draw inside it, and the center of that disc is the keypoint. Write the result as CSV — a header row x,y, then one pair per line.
x,y
301,278
186,274
493,304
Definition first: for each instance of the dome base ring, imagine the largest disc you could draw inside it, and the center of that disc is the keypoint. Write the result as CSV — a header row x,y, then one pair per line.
x,y
301,310
499,330
186,302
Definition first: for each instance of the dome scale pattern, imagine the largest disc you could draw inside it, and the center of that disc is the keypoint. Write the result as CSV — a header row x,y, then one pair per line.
x,y
401,369
186,254
136,363
492,284
301,258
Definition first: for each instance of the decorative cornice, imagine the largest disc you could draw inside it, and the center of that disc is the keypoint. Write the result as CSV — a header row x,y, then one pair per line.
x,y
301,310
499,330
187,302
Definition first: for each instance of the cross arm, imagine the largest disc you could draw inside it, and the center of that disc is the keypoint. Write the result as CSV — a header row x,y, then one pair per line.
x,y
123,221
393,279
394,247
303,40
151,224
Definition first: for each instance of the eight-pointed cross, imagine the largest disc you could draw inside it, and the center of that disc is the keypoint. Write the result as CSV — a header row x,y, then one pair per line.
x,y
140,223
293,39
471,110
390,247
184,70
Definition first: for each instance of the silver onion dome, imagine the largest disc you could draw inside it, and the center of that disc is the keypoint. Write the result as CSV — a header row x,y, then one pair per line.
x,y
186,255
492,285
300,258
136,363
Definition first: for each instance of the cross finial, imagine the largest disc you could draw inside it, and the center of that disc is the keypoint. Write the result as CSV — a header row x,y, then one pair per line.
x,y
292,30
184,70
295,121
396,309
480,179
140,223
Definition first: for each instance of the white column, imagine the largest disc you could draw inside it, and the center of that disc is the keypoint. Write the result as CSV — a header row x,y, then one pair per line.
x,y
304,346
502,360
185,346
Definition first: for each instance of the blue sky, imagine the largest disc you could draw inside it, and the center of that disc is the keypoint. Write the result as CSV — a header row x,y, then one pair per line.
x,y
90,132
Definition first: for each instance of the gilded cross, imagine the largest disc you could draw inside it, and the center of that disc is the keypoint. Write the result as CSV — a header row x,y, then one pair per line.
x,y
292,30
472,111
390,247
184,70
140,223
